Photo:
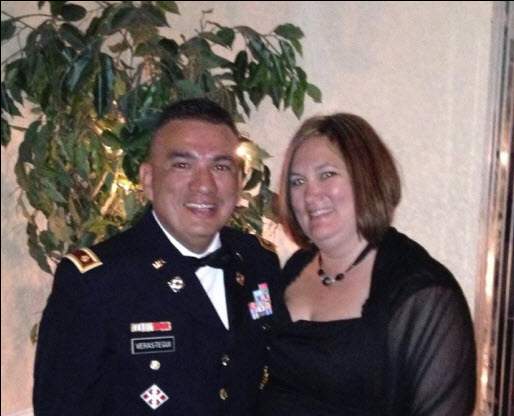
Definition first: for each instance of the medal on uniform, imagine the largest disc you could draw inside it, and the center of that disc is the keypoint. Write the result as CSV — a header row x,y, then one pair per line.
x,y
261,306
162,326
176,284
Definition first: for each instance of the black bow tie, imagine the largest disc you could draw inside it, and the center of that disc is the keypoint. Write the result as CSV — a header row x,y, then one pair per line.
x,y
218,259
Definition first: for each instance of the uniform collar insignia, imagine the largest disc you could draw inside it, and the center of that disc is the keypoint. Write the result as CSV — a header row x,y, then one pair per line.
x,y
158,264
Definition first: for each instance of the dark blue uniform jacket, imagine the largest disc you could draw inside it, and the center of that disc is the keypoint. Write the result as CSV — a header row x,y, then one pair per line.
x,y
115,339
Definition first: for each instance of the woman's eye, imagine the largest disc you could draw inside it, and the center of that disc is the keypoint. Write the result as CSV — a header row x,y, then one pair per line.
x,y
328,174
296,181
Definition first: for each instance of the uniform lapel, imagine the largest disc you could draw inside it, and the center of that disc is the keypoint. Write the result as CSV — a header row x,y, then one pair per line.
x,y
235,290
166,267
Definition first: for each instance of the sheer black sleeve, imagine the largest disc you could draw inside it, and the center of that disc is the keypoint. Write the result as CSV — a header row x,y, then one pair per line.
x,y
432,355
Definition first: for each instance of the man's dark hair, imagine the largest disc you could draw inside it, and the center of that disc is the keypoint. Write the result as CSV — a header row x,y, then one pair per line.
x,y
196,109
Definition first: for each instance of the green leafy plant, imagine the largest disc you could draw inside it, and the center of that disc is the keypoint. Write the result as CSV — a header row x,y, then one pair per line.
x,y
95,80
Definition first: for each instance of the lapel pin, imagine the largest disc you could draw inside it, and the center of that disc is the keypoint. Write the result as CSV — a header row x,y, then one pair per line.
x,y
157,264
176,284
240,278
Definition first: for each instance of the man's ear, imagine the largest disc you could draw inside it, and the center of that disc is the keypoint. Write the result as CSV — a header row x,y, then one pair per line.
x,y
145,177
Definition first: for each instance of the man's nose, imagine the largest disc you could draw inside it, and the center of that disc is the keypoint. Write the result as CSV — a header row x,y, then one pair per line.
x,y
203,180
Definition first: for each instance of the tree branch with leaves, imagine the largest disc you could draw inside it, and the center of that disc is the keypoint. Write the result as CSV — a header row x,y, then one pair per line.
x,y
95,81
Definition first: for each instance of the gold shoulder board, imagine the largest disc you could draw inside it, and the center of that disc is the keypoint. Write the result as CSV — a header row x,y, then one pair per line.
x,y
84,259
268,245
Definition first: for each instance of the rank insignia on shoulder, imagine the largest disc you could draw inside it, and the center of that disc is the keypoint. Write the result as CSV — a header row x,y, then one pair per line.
x,y
268,245
84,259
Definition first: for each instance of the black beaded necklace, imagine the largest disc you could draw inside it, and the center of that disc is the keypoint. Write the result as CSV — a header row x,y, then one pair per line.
x,y
329,280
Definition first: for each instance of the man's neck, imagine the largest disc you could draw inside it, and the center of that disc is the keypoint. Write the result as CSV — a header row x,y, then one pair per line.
x,y
185,251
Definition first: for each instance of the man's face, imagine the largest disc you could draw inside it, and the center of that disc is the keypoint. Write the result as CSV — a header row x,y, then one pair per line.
x,y
193,179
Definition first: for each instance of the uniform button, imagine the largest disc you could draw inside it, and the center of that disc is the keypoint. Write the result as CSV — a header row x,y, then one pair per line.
x,y
268,348
155,365
223,394
265,327
225,359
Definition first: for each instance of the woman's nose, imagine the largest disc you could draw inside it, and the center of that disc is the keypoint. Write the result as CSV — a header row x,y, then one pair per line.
x,y
312,190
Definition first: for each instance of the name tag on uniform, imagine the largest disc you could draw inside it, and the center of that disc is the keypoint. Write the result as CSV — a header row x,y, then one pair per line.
x,y
152,345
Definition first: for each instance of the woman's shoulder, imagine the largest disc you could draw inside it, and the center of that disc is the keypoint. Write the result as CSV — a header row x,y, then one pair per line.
x,y
404,267
296,263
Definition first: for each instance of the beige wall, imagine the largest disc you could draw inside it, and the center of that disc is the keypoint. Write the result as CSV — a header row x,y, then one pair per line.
x,y
418,71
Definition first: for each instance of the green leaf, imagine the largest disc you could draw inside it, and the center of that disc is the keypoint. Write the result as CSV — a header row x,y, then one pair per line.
x,y
79,71
81,161
6,132
169,46
131,205
8,29
189,89
119,47
110,139
35,249
297,45
298,101
104,85
72,12
72,35
123,17
87,239
154,15
169,6
253,181
314,92
7,103
56,7
289,31
34,331
48,240
226,36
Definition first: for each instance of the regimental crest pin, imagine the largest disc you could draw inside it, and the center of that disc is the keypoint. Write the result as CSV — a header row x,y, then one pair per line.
x,y
240,278
154,397
176,284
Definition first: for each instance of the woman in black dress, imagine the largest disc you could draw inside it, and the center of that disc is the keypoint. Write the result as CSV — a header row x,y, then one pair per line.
x,y
368,322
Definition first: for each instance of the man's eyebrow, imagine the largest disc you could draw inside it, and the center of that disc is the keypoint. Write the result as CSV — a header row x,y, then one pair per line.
x,y
223,158
174,154
179,154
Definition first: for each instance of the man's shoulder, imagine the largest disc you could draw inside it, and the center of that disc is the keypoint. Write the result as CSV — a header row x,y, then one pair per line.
x,y
102,256
247,241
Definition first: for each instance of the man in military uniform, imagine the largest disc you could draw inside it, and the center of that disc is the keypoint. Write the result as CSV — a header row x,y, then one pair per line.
x,y
169,317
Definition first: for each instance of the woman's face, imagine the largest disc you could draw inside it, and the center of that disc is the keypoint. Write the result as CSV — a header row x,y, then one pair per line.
x,y
321,193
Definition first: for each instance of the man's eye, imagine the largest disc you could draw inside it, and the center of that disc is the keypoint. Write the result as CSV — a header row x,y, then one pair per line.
x,y
223,168
180,165
296,181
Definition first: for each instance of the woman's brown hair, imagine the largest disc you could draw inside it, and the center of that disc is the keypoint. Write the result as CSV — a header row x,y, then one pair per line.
x,y
375,179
